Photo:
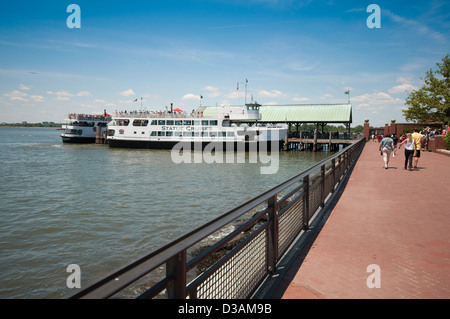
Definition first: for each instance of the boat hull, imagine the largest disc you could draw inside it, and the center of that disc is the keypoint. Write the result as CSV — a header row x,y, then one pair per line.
x,y
78,139
197,145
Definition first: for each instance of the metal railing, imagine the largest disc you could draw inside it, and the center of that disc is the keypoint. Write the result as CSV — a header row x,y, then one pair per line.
x,y
206,263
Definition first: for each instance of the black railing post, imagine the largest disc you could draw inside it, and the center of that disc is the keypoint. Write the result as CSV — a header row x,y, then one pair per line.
x,y
272,234
322,186
306,202
333,170
176,270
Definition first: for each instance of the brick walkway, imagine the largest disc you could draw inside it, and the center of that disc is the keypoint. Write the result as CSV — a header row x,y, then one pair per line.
x,y
393,218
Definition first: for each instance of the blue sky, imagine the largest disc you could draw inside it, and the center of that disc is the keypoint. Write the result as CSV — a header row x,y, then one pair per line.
x,y
305,52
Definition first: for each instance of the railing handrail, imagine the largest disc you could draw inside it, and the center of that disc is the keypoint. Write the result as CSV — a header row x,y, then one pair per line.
x,y
125,275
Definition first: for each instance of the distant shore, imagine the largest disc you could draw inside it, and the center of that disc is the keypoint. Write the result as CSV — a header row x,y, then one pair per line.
x,y
43,125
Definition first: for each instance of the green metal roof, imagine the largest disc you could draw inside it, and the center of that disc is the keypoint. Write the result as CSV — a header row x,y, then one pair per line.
x,y
300,113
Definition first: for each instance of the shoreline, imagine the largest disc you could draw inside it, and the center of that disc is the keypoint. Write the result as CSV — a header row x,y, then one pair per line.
x,y
54,126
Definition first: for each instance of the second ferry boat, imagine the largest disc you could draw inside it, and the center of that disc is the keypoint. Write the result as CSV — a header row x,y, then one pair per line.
x,y
234,128
84,128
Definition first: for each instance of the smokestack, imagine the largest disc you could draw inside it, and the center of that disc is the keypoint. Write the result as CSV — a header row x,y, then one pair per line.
x,y
171,107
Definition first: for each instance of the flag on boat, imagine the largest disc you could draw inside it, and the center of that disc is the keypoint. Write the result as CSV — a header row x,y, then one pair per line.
x,y
135,100
237,88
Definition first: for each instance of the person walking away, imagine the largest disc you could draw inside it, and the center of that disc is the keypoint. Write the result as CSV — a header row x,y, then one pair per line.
x,y
409,149
386,147
395,139
417,137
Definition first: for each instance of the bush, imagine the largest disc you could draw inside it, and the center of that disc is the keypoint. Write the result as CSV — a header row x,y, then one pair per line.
x,y
447,140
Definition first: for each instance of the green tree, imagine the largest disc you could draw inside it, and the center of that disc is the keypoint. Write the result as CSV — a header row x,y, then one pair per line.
x,y
431,103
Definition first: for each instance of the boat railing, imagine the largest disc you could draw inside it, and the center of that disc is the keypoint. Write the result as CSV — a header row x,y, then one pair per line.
x,y
148,114
88,117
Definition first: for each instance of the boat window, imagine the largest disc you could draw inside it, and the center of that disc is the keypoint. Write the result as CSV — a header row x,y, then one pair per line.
x,y
230,134
187,122
213,134
153,133
161,133
214,122
123,122
178,122
161,122
204,122
170,133
140,122
223,134
205,134
176,133
154,122
196,122
169,122
196,134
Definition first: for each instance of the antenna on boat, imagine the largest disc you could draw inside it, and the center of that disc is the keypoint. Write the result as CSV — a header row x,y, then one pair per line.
x,y
246,81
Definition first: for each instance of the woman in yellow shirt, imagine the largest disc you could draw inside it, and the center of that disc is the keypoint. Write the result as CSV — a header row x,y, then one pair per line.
x,y
417,137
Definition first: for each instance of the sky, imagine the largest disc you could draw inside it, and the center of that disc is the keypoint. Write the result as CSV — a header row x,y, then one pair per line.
x,y
163,52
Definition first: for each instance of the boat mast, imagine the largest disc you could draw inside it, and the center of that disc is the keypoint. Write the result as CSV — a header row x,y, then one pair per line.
x,y
246,81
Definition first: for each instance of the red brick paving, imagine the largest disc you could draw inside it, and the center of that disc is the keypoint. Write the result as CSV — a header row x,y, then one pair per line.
x,y
394,218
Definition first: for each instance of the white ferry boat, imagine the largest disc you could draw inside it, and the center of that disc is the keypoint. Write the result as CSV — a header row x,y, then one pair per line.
x,y
234,128
84,128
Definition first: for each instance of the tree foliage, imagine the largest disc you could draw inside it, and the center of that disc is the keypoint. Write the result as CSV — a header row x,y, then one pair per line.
x,y
431,103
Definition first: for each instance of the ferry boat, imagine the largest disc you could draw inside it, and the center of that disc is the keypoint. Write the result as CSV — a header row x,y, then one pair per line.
x,y
234,128
84,128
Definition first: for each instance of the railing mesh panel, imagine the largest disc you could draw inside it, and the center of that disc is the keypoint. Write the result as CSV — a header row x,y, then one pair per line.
x,y
290,223
238,276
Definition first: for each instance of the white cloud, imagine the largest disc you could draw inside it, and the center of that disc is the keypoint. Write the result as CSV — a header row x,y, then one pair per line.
x,y
402,88
300,99
416,26
235,95
38,98
99,101
128,92
404,79
273,93
84,93
24,87
326,96
191,97
60,93
17,96
212,91
373,103
296,66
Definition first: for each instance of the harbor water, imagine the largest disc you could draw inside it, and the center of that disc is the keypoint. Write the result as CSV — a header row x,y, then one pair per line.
x,y
99,208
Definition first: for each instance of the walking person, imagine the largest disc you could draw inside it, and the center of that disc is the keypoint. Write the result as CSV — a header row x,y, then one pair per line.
x,y
417,137
409,150
395,139
386,147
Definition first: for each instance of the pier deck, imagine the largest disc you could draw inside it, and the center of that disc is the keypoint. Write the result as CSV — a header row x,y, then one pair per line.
x,y
392,218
